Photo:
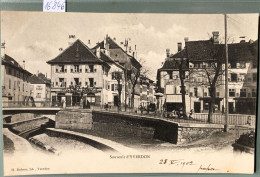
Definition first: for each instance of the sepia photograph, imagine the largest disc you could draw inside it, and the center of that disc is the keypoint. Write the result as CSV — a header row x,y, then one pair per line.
x,y
86,93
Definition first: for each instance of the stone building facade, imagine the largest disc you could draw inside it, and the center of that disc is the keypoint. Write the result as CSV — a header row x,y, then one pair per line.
x,y
40,90
15,84
201,58
82,68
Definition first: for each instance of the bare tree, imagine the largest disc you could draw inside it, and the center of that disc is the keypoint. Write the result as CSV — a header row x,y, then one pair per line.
x,y
212,70
181,64
134,75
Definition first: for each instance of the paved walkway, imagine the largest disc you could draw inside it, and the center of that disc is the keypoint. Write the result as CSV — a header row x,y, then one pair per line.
x,y
116,146
21,145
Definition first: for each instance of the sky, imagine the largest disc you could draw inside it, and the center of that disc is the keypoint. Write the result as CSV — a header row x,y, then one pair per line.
x,y
37,36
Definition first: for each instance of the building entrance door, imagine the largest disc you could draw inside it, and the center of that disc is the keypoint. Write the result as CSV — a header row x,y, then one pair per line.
x,y
115,100
231,107
196,107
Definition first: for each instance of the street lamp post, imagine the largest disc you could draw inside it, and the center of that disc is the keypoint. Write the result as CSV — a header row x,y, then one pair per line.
x,y
226,76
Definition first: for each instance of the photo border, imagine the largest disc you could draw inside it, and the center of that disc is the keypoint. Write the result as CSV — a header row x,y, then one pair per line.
x,y
146,6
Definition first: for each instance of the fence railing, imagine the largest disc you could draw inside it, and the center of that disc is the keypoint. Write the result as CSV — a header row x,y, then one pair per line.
x,y
233,119
217,118
22,104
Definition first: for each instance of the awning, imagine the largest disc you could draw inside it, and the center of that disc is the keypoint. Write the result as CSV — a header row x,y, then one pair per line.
x,y
173,99
90,94
246,99
208,99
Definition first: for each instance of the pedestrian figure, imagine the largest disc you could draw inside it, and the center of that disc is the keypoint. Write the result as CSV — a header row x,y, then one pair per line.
x,y
141,109
88,105
191,113
84,103
106,106
249,120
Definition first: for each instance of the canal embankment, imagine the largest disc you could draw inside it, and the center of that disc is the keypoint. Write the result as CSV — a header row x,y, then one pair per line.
x,y
104,123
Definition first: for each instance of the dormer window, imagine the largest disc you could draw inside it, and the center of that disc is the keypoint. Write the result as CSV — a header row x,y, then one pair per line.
x,y
91,68
76,68
62,68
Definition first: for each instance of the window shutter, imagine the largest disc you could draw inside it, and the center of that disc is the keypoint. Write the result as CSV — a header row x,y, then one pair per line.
x,y
65,82
112,87
80,68
65,68
56,69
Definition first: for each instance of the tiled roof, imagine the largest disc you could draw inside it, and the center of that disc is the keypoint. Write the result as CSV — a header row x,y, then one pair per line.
x,y
118,56
7,60
78,52
205,50
171,63
111,42
105,58
243,51
37,80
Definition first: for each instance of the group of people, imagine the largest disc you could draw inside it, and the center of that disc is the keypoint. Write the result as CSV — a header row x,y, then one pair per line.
x,y
86,104
179,114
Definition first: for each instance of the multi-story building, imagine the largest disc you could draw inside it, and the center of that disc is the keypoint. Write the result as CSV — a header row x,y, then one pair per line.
x,y
78,66
125,58
201,58
242,78
15,85
40,90
111,94
147,90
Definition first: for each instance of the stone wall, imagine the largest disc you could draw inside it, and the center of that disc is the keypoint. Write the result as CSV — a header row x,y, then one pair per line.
x,y
26,125
74,120
116,124
122,125
191,132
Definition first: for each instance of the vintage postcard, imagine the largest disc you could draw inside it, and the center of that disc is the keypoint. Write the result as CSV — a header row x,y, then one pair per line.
x,y
128,93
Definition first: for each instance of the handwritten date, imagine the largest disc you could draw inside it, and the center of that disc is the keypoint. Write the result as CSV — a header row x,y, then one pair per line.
x,y
178,162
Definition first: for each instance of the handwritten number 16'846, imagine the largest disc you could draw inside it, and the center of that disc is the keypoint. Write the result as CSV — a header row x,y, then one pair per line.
x,y
54,5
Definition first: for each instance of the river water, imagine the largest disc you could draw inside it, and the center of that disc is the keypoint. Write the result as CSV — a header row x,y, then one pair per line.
x,y
78,157
66,146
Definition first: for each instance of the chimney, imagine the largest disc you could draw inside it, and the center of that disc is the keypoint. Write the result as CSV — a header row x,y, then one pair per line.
x,y
106,44
251,41
46,76
215,37
167,52
98,52
179,46
23,64
186,39
243,39
72,39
